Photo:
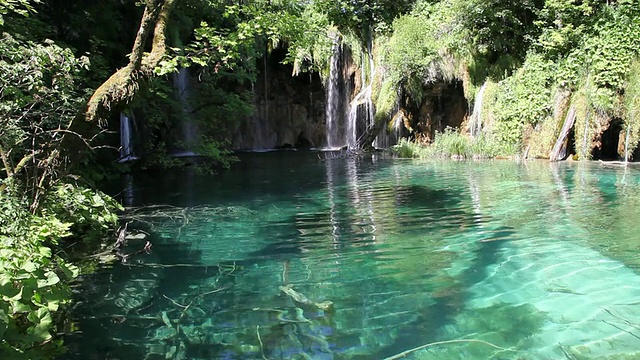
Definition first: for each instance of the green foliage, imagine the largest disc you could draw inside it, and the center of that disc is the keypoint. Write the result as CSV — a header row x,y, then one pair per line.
x,y
40,94
610,54
532,47
90,212
409,149
604,52
310,47
417,51
498,27
451,144
244,32
524,98
362,17
385,100
33,278
20,7
564,23
38,99
411,48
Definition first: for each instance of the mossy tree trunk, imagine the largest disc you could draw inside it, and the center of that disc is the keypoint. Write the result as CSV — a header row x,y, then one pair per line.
x,y
370,135
123,84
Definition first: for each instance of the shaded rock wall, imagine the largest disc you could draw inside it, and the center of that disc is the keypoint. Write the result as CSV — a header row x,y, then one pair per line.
x,y
289,111
443,105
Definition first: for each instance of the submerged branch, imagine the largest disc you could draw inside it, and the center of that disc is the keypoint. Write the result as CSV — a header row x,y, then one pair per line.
x,y
407,352
300,298
260,341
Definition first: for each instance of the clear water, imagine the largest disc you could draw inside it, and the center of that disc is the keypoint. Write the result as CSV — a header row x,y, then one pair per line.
x,y
540,260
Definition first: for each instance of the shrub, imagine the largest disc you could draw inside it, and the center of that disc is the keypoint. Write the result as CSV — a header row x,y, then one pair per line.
x,y
34,280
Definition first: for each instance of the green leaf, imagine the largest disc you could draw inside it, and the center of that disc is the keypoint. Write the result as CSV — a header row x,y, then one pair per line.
x,y
45,251
19,307
15,297
70,271
29,267
51,280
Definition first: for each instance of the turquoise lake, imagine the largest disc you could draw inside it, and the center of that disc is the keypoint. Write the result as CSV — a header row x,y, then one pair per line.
x,y
499,260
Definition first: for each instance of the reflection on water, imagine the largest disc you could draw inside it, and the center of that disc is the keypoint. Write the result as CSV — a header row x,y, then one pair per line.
x,y
538,260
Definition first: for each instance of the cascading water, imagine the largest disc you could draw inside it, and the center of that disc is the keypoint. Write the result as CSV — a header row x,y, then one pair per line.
x,y
475,123
361,118
189,127
626,144
361,110
355,113
334,137
390,136
126,147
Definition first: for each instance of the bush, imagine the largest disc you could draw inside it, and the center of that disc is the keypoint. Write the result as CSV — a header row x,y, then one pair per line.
x,y
34,281
408,149
451,143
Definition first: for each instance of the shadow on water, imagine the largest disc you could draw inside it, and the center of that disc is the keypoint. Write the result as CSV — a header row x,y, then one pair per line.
x,y
487,254
434,318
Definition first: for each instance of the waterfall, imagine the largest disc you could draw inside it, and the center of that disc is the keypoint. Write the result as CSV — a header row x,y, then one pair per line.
x,y
475,123
266,85
361,117
347,122
258,135
333,105
352,124
389,137
189,127
626,144
126,146
361,110
585,149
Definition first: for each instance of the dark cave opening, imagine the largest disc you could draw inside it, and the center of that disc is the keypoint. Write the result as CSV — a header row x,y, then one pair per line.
x,y
609,142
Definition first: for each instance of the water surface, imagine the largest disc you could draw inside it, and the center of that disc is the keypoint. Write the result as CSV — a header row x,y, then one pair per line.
x,y
539,260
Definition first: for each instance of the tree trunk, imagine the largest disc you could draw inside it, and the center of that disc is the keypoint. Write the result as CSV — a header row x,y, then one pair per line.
x,y
559,151
371,133
123,84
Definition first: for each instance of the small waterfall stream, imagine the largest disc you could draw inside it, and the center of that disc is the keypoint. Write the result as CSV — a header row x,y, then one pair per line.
x,y
361,110
126,143
333,105
475,123
189,127
389,137
626,144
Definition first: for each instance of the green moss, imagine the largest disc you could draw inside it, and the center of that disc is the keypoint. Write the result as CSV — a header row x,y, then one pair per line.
x,y
583,126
